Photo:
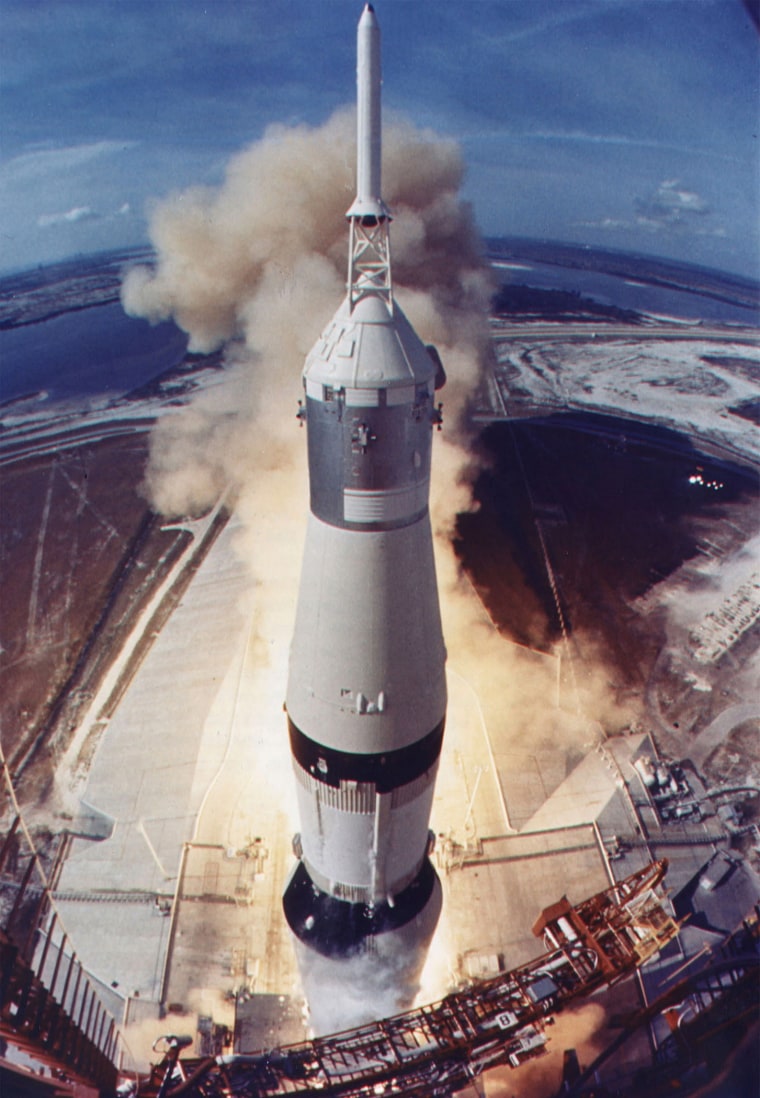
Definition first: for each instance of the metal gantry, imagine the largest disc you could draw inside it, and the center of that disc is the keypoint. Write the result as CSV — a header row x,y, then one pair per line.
x,y
433,1051
49,1006
709,1014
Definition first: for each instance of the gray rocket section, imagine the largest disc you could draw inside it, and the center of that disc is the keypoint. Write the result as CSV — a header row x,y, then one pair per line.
x,y
366,696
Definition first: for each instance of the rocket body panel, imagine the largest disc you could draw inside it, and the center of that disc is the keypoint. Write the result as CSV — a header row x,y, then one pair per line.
x,y
362,845
369,408
369,466
367,655
329,928
371,346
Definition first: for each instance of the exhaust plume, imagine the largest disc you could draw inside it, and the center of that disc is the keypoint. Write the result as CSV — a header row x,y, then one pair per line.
x,y
257,265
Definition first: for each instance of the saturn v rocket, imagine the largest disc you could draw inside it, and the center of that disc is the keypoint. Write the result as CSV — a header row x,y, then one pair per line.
x,y
366,694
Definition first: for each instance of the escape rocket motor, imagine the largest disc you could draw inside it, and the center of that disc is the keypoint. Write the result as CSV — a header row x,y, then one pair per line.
x,y
366,695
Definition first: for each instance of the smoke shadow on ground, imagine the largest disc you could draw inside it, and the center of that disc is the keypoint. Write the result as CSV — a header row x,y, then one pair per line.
x,y
614,505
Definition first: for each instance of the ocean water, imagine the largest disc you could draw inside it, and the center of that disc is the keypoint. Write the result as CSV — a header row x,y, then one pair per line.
x,y
100,350
626,293
85,353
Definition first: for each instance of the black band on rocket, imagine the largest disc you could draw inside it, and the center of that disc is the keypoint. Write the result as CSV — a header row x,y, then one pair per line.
x,y
336,928
387,770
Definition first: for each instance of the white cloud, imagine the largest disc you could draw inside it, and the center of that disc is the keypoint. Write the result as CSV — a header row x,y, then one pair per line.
x,y
42,162
669,206
470,135
543,25
81,213
77,213
583,136
610,223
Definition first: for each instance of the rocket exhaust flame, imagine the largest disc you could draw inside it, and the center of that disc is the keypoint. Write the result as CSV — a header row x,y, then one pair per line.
x,y
366,695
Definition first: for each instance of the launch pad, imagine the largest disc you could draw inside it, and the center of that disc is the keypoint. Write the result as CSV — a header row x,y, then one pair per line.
x,y
199,916
440,1048
501,845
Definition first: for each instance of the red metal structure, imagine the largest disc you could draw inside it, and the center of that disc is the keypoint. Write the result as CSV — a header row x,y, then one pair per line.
x,y
433,1051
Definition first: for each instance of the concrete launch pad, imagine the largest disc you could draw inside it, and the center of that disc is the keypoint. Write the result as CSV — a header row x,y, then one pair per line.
x,y
178,909
188,881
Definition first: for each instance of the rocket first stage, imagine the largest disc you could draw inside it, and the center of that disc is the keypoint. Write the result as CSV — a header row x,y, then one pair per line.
x,y
366,695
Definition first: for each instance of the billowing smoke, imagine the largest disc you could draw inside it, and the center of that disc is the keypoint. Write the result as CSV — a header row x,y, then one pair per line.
x,y
582,1029
259,265
261,261
142,1044
358,990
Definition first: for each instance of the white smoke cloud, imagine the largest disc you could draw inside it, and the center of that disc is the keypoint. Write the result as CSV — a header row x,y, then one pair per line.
x,y
358,990
259,265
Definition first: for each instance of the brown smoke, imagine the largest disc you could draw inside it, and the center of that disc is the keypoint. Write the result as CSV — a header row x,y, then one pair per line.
x,y
259,264
262,260
582,1029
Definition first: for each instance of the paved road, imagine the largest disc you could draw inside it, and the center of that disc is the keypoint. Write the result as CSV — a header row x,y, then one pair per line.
x,y
68,430
718,730
539,331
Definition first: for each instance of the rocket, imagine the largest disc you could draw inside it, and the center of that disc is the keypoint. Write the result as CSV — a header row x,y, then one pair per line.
x,y
366,693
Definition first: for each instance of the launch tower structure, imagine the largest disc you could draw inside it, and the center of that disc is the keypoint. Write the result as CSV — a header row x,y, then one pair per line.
x,y
366,695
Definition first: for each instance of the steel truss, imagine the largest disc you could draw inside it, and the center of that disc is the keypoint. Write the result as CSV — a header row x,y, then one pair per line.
x,y
433,1051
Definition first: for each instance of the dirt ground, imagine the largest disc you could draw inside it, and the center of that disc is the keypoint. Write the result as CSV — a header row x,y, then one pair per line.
x,y
80,552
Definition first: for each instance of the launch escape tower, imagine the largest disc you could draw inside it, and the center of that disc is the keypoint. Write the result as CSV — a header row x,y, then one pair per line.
x,y
366,695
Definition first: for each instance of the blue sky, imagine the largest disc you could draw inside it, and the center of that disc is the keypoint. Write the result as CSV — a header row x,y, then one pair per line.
x,y
627,124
